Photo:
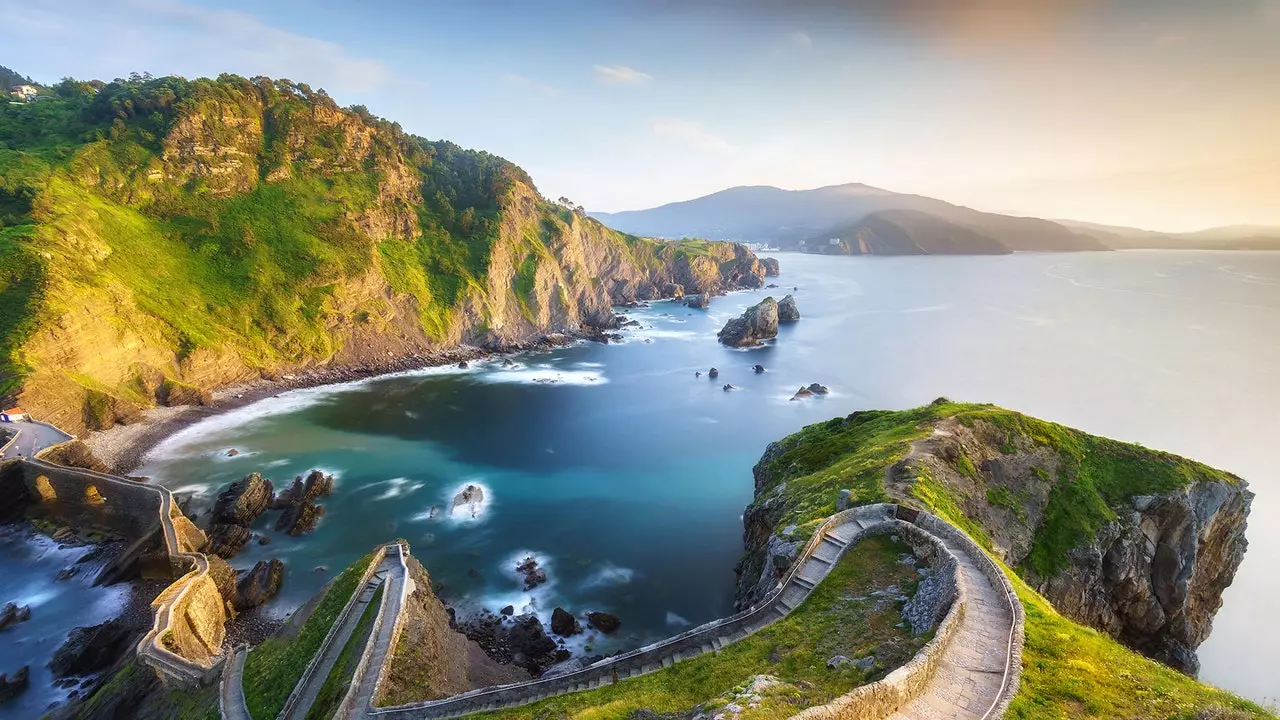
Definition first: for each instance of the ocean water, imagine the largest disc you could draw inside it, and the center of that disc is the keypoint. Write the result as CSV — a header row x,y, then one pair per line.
x,y
626,475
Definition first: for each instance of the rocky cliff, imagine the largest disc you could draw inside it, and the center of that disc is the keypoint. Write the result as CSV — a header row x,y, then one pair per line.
x,y
164,237
1134,542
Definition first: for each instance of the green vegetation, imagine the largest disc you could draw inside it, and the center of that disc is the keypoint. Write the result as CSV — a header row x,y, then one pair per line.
x,y
273,668
837,619
1069,671
335,686
134,691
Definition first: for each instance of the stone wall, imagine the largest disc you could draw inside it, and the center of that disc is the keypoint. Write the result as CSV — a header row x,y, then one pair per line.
x,y
83,499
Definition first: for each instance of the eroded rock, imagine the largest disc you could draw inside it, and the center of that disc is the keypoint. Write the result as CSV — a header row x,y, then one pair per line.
x,y
605,622
259,584
243,501
757,324
787,310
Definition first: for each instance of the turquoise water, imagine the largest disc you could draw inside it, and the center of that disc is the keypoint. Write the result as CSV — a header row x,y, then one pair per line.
x,y
627,475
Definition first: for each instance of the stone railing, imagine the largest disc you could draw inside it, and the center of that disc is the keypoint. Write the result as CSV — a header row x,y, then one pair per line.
x,y
189,613
996,576
365,687
295,697
712,635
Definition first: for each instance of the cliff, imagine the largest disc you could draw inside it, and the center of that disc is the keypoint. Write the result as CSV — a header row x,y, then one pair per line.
x,y
163,237
1134,542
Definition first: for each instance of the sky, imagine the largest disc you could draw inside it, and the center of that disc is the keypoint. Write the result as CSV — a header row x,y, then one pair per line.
x,y
1161,114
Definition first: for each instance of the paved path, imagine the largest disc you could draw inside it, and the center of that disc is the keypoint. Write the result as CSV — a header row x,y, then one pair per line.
x,y
398,587
971,672
32,438
231,693
311,684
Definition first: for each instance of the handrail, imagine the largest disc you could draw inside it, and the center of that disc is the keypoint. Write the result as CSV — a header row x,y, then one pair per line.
x,y
296,695
763,606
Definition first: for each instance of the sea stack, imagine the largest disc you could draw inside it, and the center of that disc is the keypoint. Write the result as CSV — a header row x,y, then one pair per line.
x,y
758,323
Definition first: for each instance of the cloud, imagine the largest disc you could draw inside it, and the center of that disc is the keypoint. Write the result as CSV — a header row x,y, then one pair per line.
x,y
173,37
621,75
691,134
522,81
799,39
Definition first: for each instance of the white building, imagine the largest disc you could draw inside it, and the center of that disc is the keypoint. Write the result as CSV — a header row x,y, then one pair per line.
x,y
13,415
24,92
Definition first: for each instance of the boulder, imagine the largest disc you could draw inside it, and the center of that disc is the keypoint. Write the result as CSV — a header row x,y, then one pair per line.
x,y
463,365
758,323
233,452
787,310
12,687
758,369
243,501
531,647
533,575
802,393
701,300
771,267
727,387
317,485
299,518
713,373
508,611
563,623
507,363
226,539
259,584
89,650
817,389
672,290
605,622
12,614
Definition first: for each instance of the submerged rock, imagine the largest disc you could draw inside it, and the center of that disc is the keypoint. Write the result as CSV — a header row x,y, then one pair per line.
x,y
817,389
260,584
469,501
758,323
701,300
713,373
509,610
605,622
787,310
300,518
727,387
758,369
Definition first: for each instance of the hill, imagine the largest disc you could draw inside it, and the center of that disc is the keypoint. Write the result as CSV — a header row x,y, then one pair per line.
x,y
160,237
809,220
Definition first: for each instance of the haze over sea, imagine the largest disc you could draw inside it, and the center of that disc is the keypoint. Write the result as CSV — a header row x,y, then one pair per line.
x,y
627,475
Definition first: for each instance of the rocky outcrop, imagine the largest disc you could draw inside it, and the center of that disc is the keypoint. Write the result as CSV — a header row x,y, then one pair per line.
x,y
468,502
259,584
299,518
771,267
702,301
533,575
243,501
91,649
12,614
758,323
787,310
12,686
520,641
226,540
75,454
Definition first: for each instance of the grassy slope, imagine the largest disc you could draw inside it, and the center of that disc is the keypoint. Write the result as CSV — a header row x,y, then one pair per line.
x,y
135,692
1070,671
272,669
259,271
795,649
335,686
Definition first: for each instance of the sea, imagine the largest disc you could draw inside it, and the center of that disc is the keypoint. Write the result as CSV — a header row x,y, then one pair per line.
x,y
624,472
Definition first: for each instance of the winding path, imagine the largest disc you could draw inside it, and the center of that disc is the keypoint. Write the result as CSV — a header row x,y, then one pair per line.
x,y
972,671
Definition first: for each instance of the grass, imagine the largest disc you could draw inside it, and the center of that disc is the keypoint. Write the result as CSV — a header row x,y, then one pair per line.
x,y
273,668
836,619
133,691
335,686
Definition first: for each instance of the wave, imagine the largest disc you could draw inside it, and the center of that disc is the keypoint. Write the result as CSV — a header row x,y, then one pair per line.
x,y
609,575
396,487
544,375
674,620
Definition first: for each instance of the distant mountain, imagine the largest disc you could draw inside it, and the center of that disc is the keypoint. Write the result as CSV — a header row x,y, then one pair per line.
x,y
861,219
803,219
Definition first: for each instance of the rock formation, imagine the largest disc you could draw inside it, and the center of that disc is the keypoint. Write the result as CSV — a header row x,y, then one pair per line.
x,y
520,641
91,649
563,623
12,614
787,310
243,501
300,518
533,575
12,687
468,502
758,323
259,584
701,301
771,268
226,539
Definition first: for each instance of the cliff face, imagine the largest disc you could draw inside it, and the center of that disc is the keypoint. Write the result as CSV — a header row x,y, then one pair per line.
x,y
187,235
1134,542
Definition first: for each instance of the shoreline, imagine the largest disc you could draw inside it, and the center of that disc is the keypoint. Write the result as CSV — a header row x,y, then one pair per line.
x,y
123,448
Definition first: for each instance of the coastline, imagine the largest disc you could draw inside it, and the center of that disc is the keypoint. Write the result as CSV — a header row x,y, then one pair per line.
x,y
123,447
